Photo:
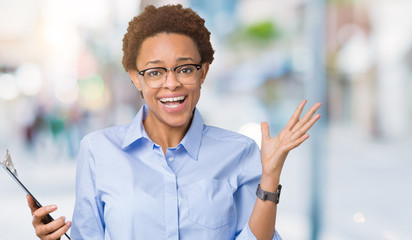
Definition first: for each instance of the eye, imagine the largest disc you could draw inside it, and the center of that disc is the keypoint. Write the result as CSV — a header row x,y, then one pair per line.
x,y
154,73
186,70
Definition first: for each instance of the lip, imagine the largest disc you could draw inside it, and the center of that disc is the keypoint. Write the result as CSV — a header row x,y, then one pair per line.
x,y
179,108
172,95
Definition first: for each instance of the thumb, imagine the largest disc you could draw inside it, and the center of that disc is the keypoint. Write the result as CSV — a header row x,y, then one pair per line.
x,y
32,204
264,127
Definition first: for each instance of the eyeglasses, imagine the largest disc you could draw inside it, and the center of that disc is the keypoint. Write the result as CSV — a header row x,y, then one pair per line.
x,y
157,76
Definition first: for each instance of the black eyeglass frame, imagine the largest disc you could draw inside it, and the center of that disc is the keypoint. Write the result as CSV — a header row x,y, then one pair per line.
x,y
142,72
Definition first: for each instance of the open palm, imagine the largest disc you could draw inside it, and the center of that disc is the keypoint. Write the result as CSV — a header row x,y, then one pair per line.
x,y
275,150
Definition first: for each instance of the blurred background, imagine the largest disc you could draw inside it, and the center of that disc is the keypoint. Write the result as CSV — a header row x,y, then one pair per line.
x,y
61,77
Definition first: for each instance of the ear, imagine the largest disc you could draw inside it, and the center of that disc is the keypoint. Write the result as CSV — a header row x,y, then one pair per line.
x,y
134,75
205,69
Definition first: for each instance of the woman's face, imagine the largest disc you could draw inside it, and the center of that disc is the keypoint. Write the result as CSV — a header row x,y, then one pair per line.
x,y
173,103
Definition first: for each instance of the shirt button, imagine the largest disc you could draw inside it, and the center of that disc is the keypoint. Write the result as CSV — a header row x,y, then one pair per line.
x,y
170,159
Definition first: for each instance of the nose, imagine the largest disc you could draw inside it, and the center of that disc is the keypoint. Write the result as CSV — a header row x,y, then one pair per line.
x,y
171,80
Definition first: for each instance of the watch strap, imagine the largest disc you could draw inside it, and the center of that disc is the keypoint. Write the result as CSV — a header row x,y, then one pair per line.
x,y
270,196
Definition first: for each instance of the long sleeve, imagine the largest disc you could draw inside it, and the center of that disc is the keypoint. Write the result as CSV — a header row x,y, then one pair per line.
x,y
126,188
88,220
245,196
247,234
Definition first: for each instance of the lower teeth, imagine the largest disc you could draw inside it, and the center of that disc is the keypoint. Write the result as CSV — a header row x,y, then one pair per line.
x,y
171,106
174,104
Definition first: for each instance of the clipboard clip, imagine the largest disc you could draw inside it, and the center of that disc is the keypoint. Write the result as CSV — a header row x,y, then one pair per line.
x,y
8,163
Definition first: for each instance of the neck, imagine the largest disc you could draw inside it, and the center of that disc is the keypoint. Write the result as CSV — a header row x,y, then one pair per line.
x,y
164,135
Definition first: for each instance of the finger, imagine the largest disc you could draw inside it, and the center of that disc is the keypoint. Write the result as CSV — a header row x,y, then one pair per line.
x,y
297,142
42,212
308,115
312,121
51,227
61,231
264,128
300,132
296,115
32,204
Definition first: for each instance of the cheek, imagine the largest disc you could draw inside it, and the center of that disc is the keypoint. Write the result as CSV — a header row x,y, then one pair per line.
x,y
148,95
196,94
147,90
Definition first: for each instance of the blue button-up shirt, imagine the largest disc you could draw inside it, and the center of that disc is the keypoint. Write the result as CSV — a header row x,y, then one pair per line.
x,y
203,189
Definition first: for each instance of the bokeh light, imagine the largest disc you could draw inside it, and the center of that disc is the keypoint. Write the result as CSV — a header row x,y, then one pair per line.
x,y
358,217
253,131
29,79
67,95
91,92
9,89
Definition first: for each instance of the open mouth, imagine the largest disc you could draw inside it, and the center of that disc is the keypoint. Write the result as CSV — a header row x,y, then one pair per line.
x,y
173,102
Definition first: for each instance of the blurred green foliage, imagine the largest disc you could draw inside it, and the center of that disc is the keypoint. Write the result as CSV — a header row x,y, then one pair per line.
x,y
262,31
259,34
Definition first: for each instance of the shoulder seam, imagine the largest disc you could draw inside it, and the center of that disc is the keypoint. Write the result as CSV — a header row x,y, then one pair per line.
x,y
229,135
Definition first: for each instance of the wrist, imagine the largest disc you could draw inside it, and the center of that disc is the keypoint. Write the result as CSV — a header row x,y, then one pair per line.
x,y
270,196
269,183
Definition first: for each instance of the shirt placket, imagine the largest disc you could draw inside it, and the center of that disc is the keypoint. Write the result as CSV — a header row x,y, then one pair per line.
x,y
171,198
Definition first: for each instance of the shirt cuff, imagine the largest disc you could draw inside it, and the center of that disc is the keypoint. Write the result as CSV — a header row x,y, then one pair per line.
x,y
247,234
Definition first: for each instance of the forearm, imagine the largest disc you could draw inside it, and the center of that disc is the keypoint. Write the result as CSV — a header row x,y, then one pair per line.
x,y
263,218
273,155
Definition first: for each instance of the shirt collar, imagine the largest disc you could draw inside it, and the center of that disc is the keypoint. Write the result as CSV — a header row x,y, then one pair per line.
x,y
193,138
135,130
191,141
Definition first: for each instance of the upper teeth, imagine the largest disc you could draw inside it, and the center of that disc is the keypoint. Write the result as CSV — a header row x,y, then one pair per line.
x,y
174,99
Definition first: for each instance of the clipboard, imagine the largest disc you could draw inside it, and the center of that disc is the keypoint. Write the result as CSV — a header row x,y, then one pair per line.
x,y
8,166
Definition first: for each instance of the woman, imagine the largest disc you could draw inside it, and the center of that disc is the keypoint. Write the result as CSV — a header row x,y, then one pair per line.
x,y
167,175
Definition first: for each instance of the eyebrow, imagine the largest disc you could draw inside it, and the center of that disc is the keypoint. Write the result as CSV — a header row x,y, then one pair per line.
x,y
181,59
152,62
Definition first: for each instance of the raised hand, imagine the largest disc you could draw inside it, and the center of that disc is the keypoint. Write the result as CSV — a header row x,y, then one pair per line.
x,y
275,150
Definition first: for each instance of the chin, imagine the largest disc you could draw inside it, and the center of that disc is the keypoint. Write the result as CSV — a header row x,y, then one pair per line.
x,y
178,121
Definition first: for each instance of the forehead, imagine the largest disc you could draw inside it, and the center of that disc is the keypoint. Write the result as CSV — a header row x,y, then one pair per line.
x,y
167,48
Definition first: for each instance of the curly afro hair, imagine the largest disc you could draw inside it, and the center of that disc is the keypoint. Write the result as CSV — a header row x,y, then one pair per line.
x,y
165,19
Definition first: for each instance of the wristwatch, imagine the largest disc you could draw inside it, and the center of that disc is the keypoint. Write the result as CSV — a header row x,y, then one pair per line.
x,y
271,196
